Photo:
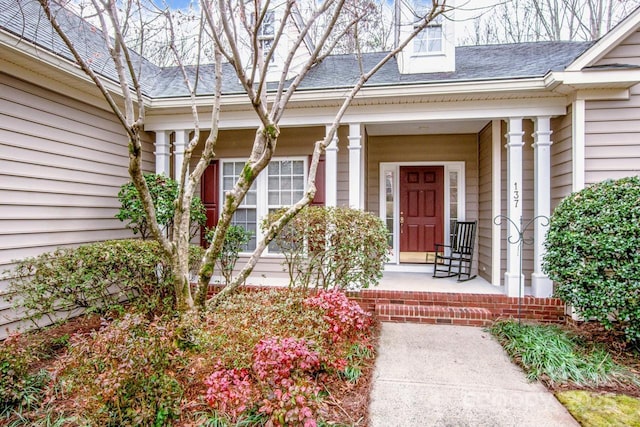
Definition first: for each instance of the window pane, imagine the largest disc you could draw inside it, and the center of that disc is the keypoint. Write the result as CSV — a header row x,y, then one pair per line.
x,y
285,167
388,189
274,198
285,183
246,219
250,199
285,198
298,183
298,168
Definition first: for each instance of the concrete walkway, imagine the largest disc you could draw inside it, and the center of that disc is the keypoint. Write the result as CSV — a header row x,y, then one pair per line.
x,y
432,375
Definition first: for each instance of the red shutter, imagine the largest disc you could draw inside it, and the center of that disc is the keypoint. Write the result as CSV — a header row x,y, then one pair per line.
x,y
209,188
319,198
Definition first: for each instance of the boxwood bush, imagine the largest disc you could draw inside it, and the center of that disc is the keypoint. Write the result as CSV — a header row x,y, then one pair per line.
x,y
95,277
593,253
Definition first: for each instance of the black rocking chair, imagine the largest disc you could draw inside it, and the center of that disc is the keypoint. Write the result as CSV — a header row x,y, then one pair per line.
x,y
455,259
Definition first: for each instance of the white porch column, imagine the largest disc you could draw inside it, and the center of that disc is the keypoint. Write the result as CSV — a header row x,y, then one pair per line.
x,y
355,167
182,139
162,152
496,200
541,285
578,137
513,282
331,172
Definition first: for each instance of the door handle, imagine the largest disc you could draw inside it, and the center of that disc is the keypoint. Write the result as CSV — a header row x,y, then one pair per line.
x,y
401,222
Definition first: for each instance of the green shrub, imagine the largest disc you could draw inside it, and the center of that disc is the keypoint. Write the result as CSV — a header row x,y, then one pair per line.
x,y
333,248
593,253
234,241
164,192
95,277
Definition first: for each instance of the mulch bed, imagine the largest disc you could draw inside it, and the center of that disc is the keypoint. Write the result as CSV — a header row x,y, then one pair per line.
x,y
613,341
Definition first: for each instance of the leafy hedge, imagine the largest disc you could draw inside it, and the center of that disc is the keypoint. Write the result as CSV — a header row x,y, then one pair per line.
x,y
330,247
96,277
593,253
164,192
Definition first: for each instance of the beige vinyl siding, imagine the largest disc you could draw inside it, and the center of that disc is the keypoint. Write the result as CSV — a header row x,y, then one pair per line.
x,y
343,167
485,220
612,128
62,163
561,158
612,138
625,53
292,142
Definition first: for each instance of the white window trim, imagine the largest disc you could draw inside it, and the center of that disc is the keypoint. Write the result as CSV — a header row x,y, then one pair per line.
x,y
262,193
395,168
420,54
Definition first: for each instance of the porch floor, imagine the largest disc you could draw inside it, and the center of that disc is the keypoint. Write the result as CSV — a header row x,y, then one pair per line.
x,y
408,282
424,282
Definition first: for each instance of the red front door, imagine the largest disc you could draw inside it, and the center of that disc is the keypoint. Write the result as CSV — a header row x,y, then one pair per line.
x,y
421,207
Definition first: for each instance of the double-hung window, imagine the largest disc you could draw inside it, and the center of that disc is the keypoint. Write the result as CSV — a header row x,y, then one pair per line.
x,y
281,185
247,213
429,40
266,33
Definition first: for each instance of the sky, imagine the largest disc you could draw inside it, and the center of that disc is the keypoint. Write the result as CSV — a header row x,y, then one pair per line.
x,y
468,9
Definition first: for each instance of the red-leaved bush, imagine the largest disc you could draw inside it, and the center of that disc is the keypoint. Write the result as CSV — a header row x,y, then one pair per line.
x,y
291,404
230,390
283,380
343,316
276,359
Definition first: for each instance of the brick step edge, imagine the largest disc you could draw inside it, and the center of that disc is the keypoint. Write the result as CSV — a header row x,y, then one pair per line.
x,y
434,314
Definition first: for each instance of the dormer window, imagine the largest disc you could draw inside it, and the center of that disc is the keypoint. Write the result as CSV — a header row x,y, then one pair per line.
x,y
266,33
428,40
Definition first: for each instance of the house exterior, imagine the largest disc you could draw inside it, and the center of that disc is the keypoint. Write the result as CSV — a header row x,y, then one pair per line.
x,y
441,133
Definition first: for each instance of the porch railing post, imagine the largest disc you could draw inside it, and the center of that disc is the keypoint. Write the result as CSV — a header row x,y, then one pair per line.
x,y
182,140
162,152
355,166
331,172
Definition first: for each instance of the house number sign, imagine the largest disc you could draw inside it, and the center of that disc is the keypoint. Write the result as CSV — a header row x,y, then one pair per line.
x,y
516,194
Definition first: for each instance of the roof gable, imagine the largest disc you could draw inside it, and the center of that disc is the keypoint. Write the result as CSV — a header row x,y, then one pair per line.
x,y
608,42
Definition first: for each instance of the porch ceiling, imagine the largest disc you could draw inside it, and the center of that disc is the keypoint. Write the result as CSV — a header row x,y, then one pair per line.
x,y
425,128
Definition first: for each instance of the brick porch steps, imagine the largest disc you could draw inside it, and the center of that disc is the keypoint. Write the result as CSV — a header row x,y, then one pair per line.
x,y
434,314
456,308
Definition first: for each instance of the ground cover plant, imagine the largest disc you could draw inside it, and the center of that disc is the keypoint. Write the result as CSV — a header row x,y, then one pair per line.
x,y
279,357
585,358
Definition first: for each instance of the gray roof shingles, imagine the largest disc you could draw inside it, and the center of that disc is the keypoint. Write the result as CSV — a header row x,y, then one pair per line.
x,y
24,18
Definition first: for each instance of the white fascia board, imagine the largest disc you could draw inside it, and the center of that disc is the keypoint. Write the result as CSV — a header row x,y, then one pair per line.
x,y
338,95
607,42
385,113
595,78
19,46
